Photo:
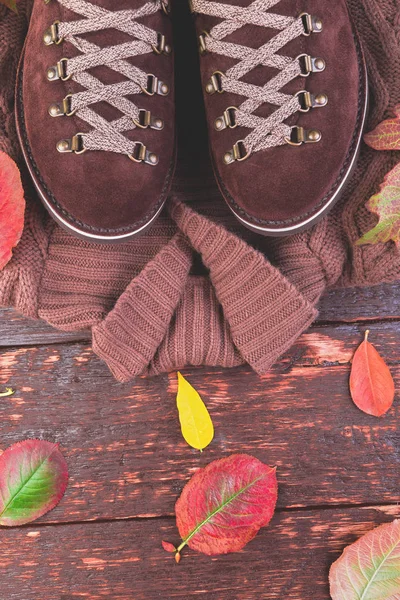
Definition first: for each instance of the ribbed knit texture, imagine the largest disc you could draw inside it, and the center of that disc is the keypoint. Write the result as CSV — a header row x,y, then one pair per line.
x,y
197,289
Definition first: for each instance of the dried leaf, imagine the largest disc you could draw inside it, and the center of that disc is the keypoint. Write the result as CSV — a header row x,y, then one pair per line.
x,y
168,547
10,4
371,383
224,505
12,207
387,135
8,392
369,569
33,479
385,204
197,427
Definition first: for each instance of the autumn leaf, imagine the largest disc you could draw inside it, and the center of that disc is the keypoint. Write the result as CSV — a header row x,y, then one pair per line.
x,y
224,505
10,4
33,479
386,204
371,383
8,392
12,208
369,569
197,427
387,135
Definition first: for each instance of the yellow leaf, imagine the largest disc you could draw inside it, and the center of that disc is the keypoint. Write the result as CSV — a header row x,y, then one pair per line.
x,y
197,427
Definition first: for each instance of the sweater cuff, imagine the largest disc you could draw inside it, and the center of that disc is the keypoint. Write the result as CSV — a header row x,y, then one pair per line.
x,y
130,335
264,311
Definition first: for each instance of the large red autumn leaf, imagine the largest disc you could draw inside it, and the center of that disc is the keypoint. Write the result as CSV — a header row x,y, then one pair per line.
x,y
33,479
224,505
371,383
12,208
387,135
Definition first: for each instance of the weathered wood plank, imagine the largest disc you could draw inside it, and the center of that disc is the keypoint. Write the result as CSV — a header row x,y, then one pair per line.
x,y
126,454
16,330
360,304
124,559
347,306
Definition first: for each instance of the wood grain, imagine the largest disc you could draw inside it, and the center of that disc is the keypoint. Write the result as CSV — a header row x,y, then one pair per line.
x,y
123,560
127,457
347,306
361,304
16,330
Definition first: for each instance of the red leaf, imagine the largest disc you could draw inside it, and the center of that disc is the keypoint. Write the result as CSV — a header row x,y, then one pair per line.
x,y
12,207
224,505
168,547
33,479
387,135
371,383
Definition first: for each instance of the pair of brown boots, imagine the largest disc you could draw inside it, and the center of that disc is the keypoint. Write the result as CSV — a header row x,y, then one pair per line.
x,y
285,90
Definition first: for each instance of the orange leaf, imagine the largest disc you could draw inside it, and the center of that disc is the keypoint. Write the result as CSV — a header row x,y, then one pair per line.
x,y
385,204
371,383
387,135
12,207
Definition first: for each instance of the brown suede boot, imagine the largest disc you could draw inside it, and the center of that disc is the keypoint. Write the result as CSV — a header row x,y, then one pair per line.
x,y
286,98
96,113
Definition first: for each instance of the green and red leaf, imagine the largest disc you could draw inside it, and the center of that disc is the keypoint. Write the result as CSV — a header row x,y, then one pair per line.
x,y
10,4
387,135
224,505
33,479
369,569
12,208
385,204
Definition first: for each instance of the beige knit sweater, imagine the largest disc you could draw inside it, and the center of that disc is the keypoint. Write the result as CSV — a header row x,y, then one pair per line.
x,y
197,289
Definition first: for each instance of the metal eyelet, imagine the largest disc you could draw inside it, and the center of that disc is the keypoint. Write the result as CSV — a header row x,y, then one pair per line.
x,y
73,145
59,71
311,23
141,154
215,83
63,109
228,119
308,101
165,5
146,120
202,42
238,153
51,35
309,65
299,136
155,86
162,47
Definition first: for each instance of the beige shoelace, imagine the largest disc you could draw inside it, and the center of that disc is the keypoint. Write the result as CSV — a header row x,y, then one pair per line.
x,y
104,135
271,131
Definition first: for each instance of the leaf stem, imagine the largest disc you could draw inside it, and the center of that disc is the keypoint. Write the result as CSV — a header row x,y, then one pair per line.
x,y
8,392
366,335
179,548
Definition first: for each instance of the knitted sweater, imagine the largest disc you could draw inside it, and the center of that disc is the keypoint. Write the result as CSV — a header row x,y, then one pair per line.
x,y
197,289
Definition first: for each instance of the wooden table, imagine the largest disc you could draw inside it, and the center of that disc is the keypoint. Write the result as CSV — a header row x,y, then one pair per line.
x,y
338,469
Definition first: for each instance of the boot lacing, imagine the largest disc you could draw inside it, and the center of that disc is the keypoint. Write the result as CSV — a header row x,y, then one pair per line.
x,y
104,135
271,131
